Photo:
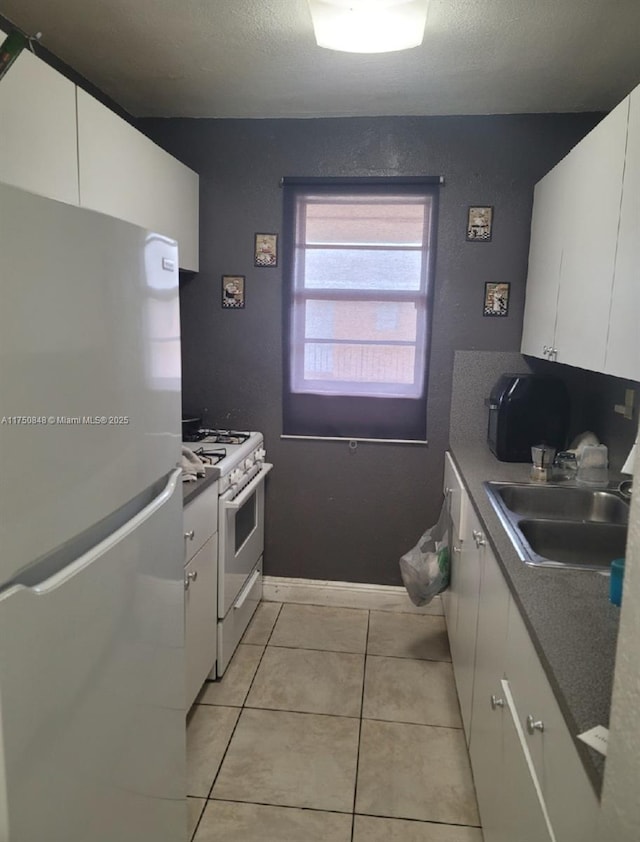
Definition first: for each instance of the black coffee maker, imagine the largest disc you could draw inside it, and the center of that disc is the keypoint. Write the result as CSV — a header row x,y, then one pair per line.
x,y
525,410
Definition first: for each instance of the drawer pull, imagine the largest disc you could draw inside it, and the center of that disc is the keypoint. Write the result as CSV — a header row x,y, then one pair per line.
x,y
190,535
478,537
496,703
190,577
534,725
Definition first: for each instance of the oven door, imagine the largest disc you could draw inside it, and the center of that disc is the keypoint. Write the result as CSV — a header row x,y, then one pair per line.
x,y
240,536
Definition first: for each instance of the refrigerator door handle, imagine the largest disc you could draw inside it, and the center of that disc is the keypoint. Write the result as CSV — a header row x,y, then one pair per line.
x,y
62,576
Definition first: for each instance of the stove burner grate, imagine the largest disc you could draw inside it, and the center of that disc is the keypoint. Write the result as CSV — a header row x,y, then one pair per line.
x,y
211,457
223,436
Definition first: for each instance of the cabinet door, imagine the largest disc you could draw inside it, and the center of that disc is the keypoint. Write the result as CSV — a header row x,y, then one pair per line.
x,y
545,258
124,174
569,796
38,147
594,190
623,346
524,815
200,595
468,565
457,501
488,704
200,519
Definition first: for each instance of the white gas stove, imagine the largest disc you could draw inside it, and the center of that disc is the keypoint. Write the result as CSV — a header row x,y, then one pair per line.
x,y
237,455
240,458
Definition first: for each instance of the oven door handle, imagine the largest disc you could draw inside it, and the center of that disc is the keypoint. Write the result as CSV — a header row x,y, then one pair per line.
x,y
242,498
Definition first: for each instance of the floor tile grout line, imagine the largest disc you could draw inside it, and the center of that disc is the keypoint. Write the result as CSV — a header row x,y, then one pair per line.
x,y
283,806
359,608
222,759
364,680
195,829
418,821
342,812
365,655
350,652
417,724
253,678
335,716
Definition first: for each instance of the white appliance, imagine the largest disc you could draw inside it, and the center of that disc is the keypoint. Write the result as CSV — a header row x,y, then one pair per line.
x,y
92,731
240,458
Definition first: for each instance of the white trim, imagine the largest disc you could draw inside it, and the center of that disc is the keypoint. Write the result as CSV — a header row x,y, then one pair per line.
x,y
344,595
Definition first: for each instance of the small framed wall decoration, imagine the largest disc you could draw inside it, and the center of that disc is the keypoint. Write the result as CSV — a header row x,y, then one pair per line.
x,y
496,299
233,292
479,224
266,250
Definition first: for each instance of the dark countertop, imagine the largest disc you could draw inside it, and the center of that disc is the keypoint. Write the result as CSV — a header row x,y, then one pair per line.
x,y
190,490
572,623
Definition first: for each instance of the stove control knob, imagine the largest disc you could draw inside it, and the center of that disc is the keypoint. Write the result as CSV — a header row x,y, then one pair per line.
x,y
248,463
260,454
236,475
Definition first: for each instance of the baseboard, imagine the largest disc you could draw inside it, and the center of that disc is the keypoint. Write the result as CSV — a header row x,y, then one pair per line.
x,y
344,595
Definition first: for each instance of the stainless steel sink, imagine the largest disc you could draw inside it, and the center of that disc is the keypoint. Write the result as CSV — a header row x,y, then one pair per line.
x,y
562,526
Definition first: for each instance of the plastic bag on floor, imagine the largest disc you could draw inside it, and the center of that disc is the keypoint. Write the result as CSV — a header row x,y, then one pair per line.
x,y
425,568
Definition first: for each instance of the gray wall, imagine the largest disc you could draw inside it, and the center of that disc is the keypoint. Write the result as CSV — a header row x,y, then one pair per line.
x,y
593,400
332,513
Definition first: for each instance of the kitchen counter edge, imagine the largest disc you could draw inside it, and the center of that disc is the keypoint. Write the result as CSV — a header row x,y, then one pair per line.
x,y
572,624
190,490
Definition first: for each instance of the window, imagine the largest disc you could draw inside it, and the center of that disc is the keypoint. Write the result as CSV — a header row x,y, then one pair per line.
x,y
358,269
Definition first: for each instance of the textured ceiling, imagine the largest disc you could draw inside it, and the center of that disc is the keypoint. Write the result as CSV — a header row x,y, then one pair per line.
x,y
258,58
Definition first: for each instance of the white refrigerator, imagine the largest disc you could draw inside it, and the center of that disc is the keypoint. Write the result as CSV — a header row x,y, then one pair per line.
x,y
92,720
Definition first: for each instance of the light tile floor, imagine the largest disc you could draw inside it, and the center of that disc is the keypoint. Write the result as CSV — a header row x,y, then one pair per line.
x,y
332,725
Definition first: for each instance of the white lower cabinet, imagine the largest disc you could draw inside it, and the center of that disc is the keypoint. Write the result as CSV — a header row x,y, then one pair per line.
x,y
462,638
509,794
530,782
200,589
523,816
569,797
200,622
457,502
486,746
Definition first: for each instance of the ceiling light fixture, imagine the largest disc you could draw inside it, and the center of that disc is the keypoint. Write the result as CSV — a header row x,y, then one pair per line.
x,y
369,26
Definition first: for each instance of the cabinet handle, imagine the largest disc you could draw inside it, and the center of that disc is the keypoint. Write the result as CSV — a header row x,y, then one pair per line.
x,y
546,350
190,577
190,535
496,703
534,725
553,353
457,549
478,537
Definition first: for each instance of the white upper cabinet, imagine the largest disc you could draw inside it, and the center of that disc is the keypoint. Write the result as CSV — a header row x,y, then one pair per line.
x,y
583,282
124,174
545,259
623,348
38,145
590,232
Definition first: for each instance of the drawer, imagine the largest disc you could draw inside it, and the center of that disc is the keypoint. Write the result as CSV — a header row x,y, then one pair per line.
x,y
200,520
453,487
231,629
571,800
